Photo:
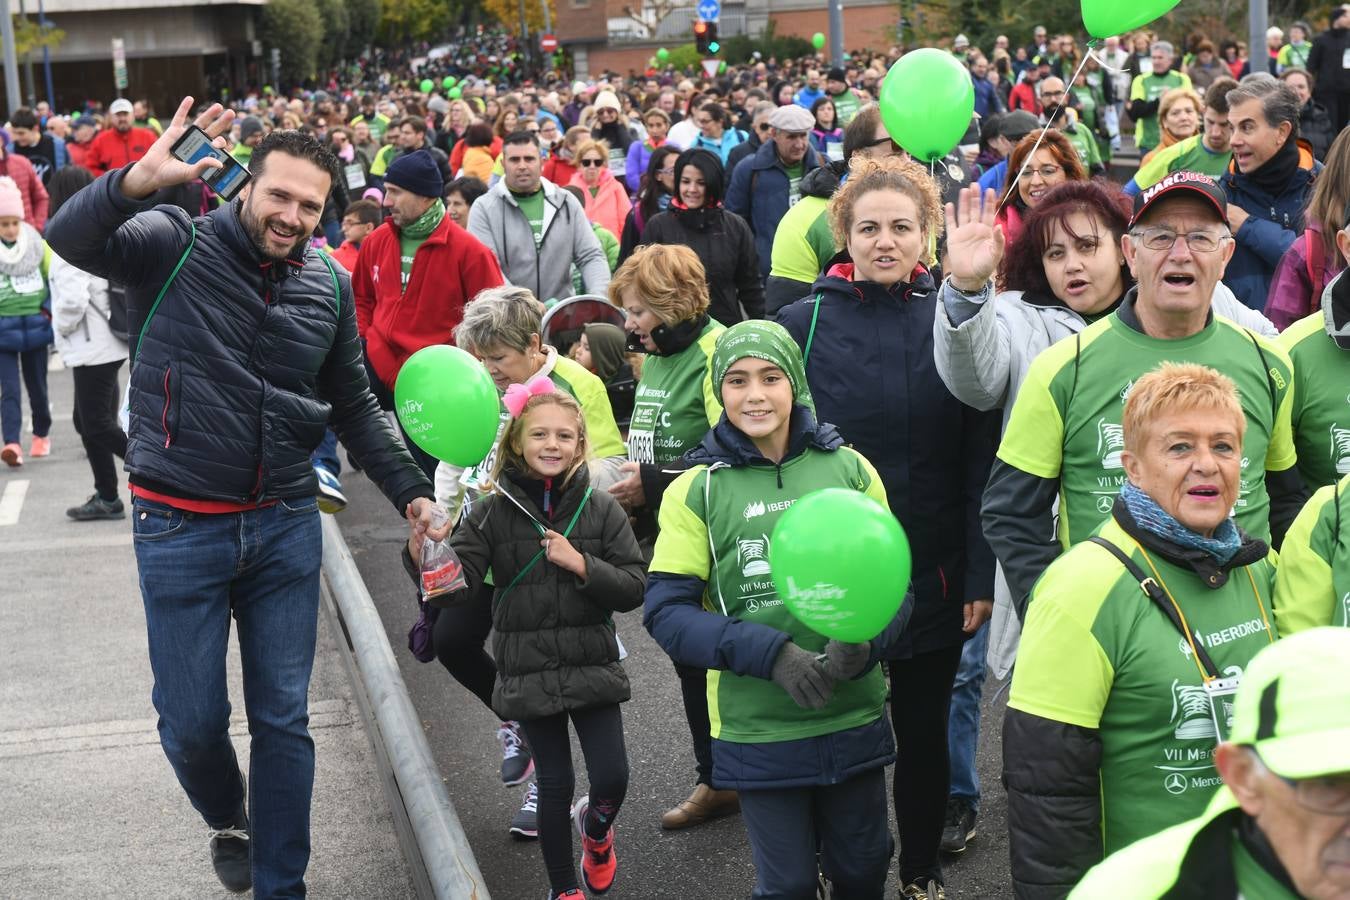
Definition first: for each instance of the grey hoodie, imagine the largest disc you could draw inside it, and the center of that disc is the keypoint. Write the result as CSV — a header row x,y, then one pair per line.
x,y
567,238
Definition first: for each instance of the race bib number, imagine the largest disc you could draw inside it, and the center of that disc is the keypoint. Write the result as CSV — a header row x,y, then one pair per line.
x,y
618,163
1345,59
642,433
27,284
355,175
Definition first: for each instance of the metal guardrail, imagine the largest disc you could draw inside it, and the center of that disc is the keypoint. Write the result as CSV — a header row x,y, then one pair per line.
x,y
442,863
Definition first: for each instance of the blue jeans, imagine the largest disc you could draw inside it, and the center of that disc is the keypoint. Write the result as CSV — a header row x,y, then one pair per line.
x,y
326,453
262,566
33,364
963,724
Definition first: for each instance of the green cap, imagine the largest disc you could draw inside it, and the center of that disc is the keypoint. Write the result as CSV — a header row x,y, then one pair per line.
x,y
768,341
1293,705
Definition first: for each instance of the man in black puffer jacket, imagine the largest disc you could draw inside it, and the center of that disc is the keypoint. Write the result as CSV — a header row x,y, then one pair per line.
x,y
244,348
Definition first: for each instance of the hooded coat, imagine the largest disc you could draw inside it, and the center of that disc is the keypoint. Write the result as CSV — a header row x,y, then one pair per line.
x,y
721,239
872,374
609,206
553,632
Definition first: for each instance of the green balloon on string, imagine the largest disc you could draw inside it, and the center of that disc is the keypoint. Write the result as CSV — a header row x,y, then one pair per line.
x,y
448,82
427,85
663,54
455,93
722,69
447,404
818,41
1105,18
927,100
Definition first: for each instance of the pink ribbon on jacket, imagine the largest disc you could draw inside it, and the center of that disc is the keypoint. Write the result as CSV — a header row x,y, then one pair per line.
x,y
517,395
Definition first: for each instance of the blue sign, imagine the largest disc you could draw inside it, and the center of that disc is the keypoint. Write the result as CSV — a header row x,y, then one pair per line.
x,y
709,10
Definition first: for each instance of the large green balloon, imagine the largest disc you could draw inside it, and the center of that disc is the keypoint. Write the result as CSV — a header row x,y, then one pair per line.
x,y
448,404
427,85
841,563
448,82
818,41
1104,18
927,99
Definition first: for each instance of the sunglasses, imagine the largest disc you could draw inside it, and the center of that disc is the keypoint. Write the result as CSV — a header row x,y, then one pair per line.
x,y
763,126
588,163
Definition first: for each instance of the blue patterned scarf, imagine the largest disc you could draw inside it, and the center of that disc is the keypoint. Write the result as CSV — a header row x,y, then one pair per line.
x,y
1154,519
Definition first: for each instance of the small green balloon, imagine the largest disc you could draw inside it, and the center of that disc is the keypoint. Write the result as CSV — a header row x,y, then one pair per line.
x,y
448,405
1104,18
663,54
927,100
427,85
841,563
722,69
818,40
455,93
448,82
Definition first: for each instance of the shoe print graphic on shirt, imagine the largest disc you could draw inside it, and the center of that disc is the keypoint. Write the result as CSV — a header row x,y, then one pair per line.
x,y
1340,448
1110,442
753,555
1190,712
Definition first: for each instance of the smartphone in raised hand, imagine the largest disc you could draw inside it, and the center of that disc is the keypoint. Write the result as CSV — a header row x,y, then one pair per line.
x,y
194,146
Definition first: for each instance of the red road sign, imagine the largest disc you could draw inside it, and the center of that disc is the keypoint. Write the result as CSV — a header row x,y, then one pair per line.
x,y
548,43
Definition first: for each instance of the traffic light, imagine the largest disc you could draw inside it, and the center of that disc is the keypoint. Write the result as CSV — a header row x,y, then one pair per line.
x,y
713,45
701,36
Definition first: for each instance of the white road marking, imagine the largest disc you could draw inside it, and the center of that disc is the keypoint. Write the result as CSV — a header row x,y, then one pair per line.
x,y
11,501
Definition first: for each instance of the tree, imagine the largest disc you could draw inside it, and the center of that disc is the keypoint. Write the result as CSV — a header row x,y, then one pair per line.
x,y
651,13
336,22
363,20
405,21
508,13
29,36
295,28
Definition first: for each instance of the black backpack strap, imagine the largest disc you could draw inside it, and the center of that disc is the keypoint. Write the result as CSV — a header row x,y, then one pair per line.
x,y
1155,592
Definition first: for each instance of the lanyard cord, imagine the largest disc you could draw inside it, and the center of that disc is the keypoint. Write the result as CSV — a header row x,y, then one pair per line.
x,y
1188,631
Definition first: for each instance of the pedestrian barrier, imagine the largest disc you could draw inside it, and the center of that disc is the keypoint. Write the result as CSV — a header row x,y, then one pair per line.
x,y
438,853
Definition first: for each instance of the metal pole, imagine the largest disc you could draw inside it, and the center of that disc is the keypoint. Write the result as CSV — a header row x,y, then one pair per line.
x,y
1258,19
524,36
46,56
836,33
12,101
28,63
548,29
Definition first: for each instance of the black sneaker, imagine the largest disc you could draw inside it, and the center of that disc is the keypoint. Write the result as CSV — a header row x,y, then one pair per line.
x,y
231,854
517,761
97,508
959,826
525,823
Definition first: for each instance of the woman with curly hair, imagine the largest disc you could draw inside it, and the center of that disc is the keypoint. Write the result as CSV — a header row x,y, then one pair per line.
x,y
867,337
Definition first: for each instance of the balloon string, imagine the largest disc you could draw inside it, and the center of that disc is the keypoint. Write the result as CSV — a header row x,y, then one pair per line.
x,y
1040,137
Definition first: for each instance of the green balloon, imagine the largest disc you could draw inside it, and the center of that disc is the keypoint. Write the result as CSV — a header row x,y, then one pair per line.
x,y
722,69
427,85
818,41
447,404
448,82
841,563
927,99
455,93
663,54
1104,18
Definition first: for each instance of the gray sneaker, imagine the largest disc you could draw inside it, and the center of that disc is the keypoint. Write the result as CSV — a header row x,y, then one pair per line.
x,y
525,823
97,508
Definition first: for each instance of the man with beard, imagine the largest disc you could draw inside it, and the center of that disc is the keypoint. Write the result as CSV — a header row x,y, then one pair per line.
x,y
123,143
247,348
413,277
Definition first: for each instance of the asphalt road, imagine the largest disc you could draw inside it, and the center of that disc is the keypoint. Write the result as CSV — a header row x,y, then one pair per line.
x,y
712,861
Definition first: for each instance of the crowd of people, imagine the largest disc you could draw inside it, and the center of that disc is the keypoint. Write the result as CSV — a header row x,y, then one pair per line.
x,y
1094,361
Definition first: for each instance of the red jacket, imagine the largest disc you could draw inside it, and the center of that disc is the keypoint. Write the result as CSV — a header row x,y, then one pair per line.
x,y
449,268
1023,96
346,255
111,149
30,188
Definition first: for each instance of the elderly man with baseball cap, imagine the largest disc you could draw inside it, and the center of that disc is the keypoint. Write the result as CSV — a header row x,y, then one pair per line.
x,y
764,186
1279,828
121,144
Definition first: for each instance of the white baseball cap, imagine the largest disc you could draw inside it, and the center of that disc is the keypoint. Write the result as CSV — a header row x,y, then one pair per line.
x,y
120,105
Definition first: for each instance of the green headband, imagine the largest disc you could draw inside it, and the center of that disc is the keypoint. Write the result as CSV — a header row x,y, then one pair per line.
x,y
768,341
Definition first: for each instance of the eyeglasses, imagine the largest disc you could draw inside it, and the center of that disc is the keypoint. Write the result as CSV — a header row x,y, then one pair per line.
x,y
763,126
1046,172
669,170
1327,794
1166,238
607,111
588,163
887,140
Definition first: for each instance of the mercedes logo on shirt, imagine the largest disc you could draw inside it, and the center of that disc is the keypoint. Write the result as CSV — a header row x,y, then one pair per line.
x,y
1175,783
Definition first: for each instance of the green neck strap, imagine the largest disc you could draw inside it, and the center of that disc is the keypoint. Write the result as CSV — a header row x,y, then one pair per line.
x,y
811,335
567,532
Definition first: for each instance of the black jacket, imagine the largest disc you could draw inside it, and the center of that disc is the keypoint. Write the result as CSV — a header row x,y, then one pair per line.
x,y
553,634
726,248
244,363
1326,62
1314,126
872,375
1052,770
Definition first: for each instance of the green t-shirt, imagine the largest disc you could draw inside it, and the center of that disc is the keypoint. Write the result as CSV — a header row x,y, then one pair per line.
x,y
1097,653
802,243
532,205
1321,414
1066,422
734,510
794,174
1086,145
1312,587
23,295
1152,87
846,106
1189,155
674,404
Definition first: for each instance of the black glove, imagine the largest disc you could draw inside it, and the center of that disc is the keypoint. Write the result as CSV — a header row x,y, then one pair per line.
x,y
797,672
845,661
